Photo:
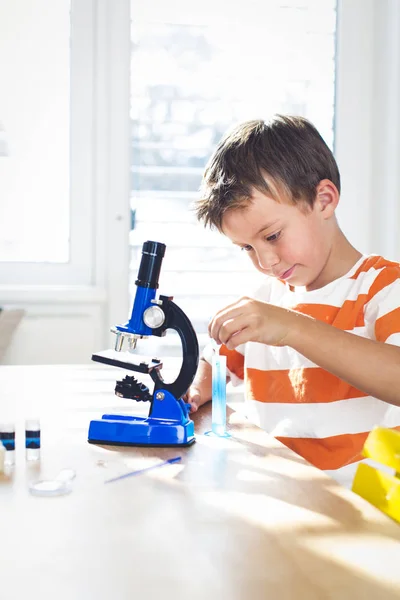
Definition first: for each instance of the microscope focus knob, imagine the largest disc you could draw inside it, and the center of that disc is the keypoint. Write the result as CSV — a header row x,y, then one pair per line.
x,y
153,317
130,387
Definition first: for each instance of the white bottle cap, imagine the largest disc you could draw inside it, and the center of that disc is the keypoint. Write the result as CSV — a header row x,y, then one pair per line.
x,y
7,427
32,425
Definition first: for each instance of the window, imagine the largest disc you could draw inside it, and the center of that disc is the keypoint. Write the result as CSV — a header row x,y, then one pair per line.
x,y
192,78
34,110
42,102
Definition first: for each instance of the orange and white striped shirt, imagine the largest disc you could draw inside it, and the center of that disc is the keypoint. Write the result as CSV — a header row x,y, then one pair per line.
x,y
316,414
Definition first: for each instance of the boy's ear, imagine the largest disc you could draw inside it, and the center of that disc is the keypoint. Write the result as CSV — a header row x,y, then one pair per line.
x,y
326,198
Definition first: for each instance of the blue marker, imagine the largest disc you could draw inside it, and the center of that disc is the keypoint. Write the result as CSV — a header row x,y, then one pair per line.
x,y
140,471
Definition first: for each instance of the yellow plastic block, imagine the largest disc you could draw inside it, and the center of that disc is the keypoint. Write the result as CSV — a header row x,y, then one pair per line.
x,y
379,488
383,445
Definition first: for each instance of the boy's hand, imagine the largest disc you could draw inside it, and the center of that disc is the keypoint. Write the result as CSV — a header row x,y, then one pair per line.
x,y
201,389
193,397
252,320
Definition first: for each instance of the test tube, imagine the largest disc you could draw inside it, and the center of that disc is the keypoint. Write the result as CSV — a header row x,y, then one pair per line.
x,y
7,437
32,439
218,407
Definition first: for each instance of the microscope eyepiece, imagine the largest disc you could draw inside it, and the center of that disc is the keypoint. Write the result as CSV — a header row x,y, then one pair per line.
x,y
150,265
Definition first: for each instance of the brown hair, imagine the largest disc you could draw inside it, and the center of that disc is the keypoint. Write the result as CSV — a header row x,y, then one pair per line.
x,y
287,152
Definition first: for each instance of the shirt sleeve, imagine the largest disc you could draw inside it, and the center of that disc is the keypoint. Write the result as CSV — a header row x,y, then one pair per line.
x,y
382,312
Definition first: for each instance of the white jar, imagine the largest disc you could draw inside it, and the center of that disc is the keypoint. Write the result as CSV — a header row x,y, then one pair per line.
x,y
2,457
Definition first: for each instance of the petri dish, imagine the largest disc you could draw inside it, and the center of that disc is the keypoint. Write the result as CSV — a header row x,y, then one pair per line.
x,y
50,488
59,486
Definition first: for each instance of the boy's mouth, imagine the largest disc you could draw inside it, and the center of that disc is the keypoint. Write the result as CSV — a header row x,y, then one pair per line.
x,y
287,273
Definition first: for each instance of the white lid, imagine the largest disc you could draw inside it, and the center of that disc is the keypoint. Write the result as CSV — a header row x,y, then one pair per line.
x,y
7,427
32,425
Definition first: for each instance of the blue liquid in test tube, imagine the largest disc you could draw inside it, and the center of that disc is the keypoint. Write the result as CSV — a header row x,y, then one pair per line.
x,y
218,410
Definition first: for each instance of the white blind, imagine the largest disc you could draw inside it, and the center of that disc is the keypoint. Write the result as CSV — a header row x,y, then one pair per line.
x,y
193,76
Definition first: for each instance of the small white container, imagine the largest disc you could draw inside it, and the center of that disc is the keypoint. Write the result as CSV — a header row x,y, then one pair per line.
x,y
7,436
32,439
2,457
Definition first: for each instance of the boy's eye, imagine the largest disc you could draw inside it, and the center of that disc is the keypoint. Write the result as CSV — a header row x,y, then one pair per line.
x,y
274,237
247,248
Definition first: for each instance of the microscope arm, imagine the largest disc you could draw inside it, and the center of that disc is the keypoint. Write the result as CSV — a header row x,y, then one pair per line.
x,y
176,319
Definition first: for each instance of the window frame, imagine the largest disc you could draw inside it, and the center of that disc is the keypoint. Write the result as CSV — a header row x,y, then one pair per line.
x,y
79,269
355,139
100,146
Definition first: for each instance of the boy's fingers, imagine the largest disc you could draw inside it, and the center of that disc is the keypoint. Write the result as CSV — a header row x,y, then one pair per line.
x,y
194,401
241,337
226,315
218,316
192,398
232,327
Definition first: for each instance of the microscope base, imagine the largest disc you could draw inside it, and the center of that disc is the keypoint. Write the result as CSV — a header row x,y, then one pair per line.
x,y
125,430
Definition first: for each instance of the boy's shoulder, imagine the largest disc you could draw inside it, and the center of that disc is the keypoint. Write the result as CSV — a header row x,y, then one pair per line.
x,y
377,274
375,264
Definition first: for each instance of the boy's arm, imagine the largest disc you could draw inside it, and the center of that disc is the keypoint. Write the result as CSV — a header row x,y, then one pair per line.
x,y
370,366
200,391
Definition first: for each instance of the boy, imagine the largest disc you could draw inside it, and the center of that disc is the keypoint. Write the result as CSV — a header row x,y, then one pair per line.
x,y
317,345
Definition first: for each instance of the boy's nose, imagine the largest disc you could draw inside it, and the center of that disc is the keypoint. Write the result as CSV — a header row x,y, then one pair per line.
x,y
267,260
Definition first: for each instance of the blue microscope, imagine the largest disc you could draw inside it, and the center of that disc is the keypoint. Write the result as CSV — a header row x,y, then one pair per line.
x,y
168,422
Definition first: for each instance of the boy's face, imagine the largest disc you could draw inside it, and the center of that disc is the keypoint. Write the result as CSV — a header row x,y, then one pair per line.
x,y
288,241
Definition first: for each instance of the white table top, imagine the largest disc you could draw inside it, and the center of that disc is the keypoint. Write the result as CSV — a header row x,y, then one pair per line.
x,y
235,519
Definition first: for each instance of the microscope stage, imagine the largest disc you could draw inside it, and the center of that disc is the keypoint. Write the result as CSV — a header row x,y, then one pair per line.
x,y
127,360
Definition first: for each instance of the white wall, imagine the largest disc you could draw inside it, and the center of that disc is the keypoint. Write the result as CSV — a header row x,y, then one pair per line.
x,y
65,325
58,327
368,124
